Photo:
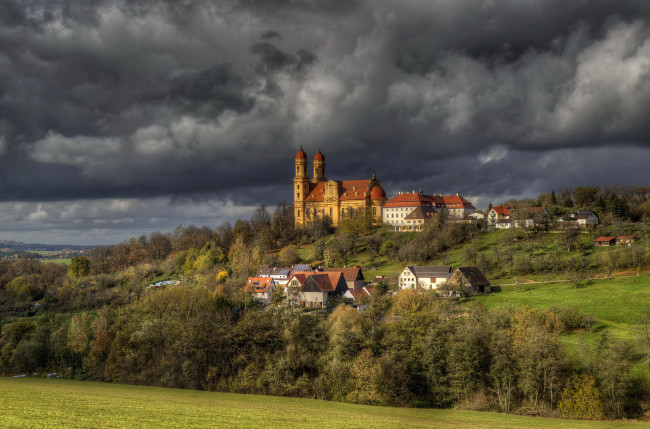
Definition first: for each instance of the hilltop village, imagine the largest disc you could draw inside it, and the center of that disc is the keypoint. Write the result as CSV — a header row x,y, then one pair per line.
x,y
414,299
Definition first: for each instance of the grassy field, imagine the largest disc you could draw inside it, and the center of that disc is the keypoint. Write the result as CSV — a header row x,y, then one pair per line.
x,y
618,303
36,403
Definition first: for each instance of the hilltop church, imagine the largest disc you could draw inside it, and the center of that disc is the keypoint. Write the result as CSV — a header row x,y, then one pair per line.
x,y
320,197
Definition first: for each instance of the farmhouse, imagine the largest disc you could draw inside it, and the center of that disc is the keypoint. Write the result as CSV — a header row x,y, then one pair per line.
x,y
467,281
424,277
317,288
353,276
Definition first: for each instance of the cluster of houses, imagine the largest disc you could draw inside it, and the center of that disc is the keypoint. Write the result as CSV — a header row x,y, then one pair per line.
x,y
410,212
304,286
506,217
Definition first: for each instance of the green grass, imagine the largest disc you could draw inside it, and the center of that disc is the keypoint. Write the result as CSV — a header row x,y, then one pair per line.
x,y
36,403
617,304
59,261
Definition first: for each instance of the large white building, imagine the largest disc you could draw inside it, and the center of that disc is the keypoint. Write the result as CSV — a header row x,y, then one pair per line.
x,y
396,210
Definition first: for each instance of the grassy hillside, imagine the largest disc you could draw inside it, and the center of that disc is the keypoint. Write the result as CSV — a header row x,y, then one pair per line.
x,y
31,403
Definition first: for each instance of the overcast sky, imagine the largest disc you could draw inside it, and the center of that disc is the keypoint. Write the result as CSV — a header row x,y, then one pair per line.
x,y
119,118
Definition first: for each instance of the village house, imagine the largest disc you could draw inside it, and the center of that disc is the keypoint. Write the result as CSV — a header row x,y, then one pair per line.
x,y
424,277
353,276
498,213
467,281
605,241
260,288
580,219
317,288
355,294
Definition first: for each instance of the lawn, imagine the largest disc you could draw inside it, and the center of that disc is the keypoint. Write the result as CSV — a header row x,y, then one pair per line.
x,y
618,304
36,403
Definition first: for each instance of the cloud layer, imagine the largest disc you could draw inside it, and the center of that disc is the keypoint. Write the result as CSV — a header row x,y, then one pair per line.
x,y
163,100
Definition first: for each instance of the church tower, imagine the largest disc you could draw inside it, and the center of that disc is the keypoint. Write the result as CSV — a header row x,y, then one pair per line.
x,y
300,187
319,168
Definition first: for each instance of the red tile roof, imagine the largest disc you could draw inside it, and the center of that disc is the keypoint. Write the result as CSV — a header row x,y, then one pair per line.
x,y
409,200
258,284
348,190
606,238
417,199
502,210
349,274
301,154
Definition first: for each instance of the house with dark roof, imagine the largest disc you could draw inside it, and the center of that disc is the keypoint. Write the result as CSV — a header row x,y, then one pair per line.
x,y
260,288
580,219
353,276
318,287
467,281
424,277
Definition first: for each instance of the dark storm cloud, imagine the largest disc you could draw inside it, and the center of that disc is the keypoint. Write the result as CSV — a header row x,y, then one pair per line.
x,y
119,100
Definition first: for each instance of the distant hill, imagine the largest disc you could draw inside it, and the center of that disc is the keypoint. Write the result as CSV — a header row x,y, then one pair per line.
x,y
25,247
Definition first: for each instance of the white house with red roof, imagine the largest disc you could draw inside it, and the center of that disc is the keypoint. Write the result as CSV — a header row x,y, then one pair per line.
x,y
260,288
397,210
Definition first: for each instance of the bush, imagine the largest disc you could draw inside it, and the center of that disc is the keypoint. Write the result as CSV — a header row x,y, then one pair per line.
x,y
581,399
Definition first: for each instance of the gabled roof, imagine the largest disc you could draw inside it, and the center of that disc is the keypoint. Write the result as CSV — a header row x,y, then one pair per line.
x,y
322,282
502,210
578,215
605,238
421,212
473,275
430,271
301,276
349,274
258,284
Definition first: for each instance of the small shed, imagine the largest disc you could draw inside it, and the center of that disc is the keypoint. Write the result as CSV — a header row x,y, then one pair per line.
x,y
605,241
626,239
472,280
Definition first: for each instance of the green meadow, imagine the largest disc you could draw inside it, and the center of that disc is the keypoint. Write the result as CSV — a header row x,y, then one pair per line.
x,y
617,304
38,403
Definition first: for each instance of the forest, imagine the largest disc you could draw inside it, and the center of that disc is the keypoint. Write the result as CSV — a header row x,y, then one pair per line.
x,y
96,318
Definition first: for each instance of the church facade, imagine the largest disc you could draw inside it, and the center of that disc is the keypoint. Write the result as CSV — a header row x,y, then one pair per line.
x,y
318,197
